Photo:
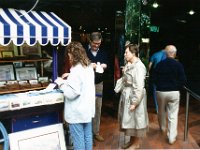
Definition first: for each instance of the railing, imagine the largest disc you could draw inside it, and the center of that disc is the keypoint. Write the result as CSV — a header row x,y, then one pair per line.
x,y
197,97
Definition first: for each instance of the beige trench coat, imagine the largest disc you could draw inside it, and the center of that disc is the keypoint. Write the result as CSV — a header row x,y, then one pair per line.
x,y
133,92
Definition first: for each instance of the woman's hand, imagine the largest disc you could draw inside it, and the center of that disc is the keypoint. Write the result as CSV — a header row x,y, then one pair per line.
x,y
132,107
59,81
123,69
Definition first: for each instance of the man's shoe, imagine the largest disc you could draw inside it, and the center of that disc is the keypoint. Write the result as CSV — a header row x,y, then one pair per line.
x,y
172,141
99,138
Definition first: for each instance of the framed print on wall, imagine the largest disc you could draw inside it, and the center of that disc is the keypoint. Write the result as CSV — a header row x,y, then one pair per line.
x,y
42,138
25,49
10,47
6,73
6,54
7,48
26,73
17,64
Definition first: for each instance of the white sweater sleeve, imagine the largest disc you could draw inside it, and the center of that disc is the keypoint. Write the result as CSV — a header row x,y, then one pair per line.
x,y
72,86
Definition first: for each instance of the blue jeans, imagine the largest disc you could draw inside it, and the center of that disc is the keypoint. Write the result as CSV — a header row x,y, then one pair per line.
x,y
81,135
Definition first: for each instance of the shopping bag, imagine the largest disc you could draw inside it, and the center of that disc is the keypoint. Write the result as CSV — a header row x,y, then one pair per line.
x,y
119,85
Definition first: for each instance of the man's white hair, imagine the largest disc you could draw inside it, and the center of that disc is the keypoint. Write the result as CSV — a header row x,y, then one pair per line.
x,y
171,48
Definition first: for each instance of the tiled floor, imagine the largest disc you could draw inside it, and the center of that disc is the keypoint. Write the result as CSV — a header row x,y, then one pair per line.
x,y
155,140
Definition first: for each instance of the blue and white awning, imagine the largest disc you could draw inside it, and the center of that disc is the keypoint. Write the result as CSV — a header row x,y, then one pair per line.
x,y
32,27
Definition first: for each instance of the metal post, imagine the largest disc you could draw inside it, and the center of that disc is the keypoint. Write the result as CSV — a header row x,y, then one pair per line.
x,y
42,68
55,67
186,116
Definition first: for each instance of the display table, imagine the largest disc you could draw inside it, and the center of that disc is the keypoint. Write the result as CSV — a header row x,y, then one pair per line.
x,y
32,109
9,102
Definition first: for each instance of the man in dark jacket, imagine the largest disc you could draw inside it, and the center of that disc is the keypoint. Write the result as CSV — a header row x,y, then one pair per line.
x,y
98,58
169,78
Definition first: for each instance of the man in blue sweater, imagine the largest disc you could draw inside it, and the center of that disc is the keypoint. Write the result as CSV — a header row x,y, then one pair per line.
x,y
154,60
98,57
169,78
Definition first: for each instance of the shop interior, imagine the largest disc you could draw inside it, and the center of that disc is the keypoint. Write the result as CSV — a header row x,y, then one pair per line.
x,y
171,22
179,26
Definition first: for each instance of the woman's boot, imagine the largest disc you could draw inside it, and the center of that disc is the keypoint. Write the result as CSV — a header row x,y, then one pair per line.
x,y
136,143
128,144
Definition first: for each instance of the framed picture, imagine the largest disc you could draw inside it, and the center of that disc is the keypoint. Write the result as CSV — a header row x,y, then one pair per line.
x,y
26,73
30,50
6,73
17,64
43,138
10,47
6,48
43,79
6,54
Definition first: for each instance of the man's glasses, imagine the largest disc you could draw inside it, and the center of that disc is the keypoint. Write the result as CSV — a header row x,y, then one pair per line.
x,y
96,43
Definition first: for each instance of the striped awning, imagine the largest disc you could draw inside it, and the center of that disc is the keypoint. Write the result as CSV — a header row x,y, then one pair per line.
x,y
19,27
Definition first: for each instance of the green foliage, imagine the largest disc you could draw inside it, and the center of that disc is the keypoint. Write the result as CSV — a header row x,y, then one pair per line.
x,y
137,21
132,18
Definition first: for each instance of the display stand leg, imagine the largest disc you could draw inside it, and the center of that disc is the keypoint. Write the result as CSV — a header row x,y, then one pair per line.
x,y
55,67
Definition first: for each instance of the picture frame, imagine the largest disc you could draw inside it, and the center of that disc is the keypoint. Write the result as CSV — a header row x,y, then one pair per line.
x,y
26,73
10,47
7,54
17,64
6,73
49,137
43,79
6,48
25,49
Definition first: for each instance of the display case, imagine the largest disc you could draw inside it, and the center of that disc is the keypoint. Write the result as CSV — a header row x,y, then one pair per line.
x,y
7,74
20,72
22,82
22,90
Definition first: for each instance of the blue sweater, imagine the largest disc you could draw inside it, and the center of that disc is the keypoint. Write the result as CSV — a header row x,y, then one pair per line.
x,y
169,75
100,57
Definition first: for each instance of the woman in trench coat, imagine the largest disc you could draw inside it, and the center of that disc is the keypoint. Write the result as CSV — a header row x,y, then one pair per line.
x,y
133,116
